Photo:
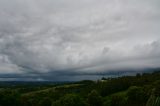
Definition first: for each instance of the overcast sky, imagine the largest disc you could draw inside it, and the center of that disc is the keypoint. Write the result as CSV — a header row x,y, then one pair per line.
x,y
56,39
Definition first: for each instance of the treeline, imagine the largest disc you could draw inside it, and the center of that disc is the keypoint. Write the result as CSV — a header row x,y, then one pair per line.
x,y
139,90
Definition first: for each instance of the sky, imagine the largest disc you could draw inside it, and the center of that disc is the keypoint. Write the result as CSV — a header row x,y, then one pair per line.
x,y
77,39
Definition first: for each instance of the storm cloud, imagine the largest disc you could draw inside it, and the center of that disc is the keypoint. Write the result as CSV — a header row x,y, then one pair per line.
x,y
52,39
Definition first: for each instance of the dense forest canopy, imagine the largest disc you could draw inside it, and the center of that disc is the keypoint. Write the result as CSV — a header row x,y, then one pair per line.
x,y
140,90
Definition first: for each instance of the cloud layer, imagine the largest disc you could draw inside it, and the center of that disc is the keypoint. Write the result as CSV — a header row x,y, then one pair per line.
x,y
39,39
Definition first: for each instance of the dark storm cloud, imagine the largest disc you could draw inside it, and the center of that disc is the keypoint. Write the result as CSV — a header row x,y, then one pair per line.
x,y
47,39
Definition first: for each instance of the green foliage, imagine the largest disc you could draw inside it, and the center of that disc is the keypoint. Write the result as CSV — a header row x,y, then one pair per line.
x,y
9,98
115,85
139,90
137,96
154,99
69,100
45,102
157,88
94,99
118,100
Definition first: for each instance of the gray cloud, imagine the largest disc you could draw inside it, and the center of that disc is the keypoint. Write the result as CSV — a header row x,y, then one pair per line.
x,y
87,36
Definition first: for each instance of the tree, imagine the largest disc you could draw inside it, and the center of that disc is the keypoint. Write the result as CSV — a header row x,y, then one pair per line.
x,y
157,88
45,102
9,98
69,100
94,99
137,96
118,100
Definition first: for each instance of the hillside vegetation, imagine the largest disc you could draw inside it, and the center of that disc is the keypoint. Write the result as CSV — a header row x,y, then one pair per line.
x,y
139,90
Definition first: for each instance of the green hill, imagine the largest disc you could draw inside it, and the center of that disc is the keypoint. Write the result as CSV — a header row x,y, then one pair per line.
x,y
140,90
